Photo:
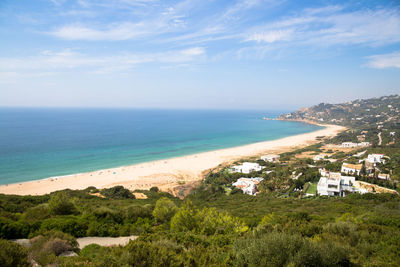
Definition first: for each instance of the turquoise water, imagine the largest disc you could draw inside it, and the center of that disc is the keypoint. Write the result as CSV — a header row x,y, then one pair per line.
x,y
40,143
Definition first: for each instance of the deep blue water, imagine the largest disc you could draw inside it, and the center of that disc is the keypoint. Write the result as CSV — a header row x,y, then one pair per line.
x,y
39,143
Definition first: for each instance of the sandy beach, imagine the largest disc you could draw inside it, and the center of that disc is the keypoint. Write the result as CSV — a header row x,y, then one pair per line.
x,y
171,175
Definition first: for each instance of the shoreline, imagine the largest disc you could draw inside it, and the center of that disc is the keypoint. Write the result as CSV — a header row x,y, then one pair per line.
x,y
170,175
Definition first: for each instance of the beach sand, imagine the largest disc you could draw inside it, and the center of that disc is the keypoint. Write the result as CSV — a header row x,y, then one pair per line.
x,y
174,175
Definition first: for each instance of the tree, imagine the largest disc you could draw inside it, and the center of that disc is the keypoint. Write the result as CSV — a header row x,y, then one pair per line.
x,y
165,209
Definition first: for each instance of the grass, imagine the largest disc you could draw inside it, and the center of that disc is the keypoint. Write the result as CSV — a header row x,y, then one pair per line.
x,y
312,188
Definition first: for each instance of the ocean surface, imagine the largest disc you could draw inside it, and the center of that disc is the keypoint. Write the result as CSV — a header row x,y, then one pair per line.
x,y
40,143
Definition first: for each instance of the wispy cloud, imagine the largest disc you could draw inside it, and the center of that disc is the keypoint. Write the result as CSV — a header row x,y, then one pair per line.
x,y
50,61
383,61
123,31
271,36
333,25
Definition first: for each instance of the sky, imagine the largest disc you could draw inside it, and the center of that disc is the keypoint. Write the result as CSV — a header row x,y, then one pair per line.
x,y
200,54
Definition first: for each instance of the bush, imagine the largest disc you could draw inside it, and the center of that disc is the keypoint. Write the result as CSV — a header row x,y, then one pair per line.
x,y
37,213
56,246
117,192
281,249
165,209
154,189
60,204
71,225
45,248
12,254
11,230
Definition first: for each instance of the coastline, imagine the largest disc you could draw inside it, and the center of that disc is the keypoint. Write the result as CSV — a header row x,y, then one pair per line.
x,y
169,175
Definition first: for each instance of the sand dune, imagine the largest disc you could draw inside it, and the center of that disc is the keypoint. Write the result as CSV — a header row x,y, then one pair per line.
x,y
169,174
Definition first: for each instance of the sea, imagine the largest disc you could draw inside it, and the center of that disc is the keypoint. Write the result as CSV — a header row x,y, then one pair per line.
x,y
38,143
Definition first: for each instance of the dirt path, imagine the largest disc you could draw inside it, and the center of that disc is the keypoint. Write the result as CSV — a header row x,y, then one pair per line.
x,y
380,138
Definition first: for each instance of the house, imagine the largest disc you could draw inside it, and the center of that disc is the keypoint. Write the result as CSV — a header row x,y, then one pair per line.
x,y
270,158
351,168
329,186
248,185
319,157
349,144
392,133
335,185
384,176
363,144
376,158
247,167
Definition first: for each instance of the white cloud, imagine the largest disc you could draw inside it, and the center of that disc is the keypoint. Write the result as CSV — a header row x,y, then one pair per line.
x,y
49,61
332,25
271,36
195,51
383,61
123,31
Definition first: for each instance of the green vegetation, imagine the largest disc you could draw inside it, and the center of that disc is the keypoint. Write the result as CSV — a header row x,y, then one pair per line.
x,y
218,225
211,228
12,254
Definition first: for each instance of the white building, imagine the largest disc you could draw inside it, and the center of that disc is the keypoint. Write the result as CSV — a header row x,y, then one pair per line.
x,y
375,158
247,167
349,144
351,168
248,185
352,145
384,176
335,185
319,157
270,158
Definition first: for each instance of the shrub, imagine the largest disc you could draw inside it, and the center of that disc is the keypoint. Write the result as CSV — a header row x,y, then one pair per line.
x,y
56,246
282,249
37,213
12,254
154,189
60,204
117,192
45,248
164,210
132,213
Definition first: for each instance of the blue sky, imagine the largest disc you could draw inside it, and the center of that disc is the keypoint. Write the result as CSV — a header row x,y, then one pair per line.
x,y
248,54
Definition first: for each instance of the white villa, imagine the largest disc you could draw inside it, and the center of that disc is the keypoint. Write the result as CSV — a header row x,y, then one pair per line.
x,y
247,167
248,185
319,157
270,158
376,158
335,185
351,168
